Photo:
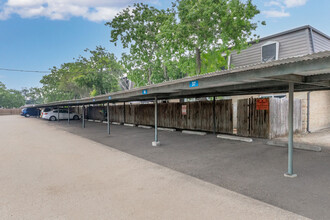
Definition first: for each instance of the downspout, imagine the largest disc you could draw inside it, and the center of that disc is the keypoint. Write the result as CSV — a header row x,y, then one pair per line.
x,y
309,93
308,104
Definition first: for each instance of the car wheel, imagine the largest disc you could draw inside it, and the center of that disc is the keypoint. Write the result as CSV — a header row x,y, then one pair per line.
x,y
76,117
53,118
27,115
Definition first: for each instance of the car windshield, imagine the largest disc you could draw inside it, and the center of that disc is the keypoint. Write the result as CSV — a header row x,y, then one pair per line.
x,y
47,109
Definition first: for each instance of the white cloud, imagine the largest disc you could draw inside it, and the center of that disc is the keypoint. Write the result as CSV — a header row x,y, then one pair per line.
x,y
93,10
273,3
276,14
294,3
279,7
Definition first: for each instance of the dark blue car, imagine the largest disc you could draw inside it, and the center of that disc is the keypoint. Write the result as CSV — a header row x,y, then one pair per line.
x,y
27,112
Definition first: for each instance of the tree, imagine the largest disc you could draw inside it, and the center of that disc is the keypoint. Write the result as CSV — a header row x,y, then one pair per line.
x,y
32,95
210,26
101,72
137,29
10,98
87,76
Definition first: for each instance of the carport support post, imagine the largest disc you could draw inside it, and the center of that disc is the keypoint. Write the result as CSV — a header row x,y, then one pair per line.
x,y
68,114
58,113
290,138
156,142
108,117
124,112
83,116
214,124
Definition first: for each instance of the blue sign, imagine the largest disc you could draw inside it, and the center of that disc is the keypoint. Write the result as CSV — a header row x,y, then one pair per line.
x,y
193,83
144,92
93,100
109,97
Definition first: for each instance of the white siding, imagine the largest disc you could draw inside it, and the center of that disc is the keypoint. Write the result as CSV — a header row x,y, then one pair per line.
x,y
292,44
321,43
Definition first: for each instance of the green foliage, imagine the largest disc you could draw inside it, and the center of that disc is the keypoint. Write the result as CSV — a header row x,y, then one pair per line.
x,y
32,95
208,27
137,28
96,75
10,98
193,37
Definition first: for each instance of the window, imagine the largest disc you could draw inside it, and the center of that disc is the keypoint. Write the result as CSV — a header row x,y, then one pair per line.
x,y
47,109
269,51
227,59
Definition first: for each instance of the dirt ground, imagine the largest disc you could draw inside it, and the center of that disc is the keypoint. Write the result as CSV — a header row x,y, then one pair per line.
x,y
48,173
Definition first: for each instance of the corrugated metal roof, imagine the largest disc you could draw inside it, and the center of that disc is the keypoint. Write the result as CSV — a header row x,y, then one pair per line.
x,y
308,64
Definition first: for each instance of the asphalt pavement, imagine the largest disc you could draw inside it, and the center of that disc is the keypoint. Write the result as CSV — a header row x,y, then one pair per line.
x,y
48,173
252,169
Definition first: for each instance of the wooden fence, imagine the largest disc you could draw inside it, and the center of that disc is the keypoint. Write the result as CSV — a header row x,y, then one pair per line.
x,y
10,111
279,117
268,121
251,121
199,115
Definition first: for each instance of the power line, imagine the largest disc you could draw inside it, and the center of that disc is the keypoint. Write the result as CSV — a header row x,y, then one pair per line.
x,y
27,71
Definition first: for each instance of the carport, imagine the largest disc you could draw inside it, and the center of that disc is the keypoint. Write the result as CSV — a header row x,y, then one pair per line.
x,y
304,73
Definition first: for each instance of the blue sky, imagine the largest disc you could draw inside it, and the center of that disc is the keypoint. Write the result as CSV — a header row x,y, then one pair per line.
x,y
40,34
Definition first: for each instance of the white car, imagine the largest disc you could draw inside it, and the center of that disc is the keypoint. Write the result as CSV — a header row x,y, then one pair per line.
x,y
53,115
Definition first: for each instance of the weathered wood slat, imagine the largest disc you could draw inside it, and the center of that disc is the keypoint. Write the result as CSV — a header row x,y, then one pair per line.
x,y
199,115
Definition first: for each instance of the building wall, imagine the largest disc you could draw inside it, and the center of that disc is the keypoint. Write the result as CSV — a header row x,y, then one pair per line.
x,y
292,44
321,43
319,110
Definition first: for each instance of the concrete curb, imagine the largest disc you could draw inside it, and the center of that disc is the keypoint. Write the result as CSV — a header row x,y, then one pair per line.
x,y
144,126
166,129
105,122
234,138
129,125
194,132
300,146
90,120
115,123
97,121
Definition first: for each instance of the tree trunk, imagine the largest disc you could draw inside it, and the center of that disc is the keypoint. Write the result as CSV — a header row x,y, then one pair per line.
x,y
198,61
165,73
149,76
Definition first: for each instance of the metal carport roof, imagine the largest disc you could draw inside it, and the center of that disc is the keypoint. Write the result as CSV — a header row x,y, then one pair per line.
x,y
309,73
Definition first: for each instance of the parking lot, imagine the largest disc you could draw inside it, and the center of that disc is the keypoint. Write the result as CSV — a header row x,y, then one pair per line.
x,y
252,169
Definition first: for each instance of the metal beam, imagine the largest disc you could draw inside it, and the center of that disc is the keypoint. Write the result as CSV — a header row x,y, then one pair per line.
x,y
290,136
68,114
108,118
83,116
318,80
156,142
214,123
124,112
58,113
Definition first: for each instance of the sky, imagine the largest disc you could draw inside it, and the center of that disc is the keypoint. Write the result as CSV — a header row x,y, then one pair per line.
x,y
40,34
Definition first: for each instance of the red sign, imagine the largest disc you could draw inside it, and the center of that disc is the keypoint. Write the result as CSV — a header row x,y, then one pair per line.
x,y
184,109
262,104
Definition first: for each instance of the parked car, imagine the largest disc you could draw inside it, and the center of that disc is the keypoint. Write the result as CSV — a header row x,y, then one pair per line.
x,y
27,112
45,110
54,115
